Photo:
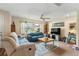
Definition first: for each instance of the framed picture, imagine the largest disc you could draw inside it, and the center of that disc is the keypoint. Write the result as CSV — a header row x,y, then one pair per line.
x,y
59,24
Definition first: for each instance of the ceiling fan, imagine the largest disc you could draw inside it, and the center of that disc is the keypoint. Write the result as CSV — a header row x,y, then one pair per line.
x,y
43,17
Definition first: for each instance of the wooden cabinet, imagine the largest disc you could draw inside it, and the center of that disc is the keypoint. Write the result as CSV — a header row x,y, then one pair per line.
x,y
46,27
13,29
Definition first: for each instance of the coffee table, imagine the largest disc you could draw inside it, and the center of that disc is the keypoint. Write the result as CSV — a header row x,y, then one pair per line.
x,y
46,40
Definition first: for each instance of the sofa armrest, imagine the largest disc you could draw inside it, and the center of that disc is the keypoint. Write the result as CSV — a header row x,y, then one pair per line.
x,y
25,50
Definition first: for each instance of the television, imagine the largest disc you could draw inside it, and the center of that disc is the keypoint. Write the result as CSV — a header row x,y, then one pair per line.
x,y
55,31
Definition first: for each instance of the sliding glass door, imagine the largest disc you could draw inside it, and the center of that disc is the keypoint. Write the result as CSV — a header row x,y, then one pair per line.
x,y
30,27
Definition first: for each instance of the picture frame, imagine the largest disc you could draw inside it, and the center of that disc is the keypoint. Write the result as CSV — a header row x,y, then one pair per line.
x,y
59,24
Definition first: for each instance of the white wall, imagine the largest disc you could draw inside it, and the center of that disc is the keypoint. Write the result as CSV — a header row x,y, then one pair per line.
x,y
2,24
7,21
5,24
1,29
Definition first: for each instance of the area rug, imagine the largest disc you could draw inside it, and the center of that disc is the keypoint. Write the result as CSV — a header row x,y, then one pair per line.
x,y
41,49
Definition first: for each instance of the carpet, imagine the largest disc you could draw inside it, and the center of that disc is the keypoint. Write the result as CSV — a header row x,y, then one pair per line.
x,y
41,49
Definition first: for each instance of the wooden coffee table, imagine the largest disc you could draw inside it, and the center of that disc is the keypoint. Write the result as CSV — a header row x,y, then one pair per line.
x,y
46,40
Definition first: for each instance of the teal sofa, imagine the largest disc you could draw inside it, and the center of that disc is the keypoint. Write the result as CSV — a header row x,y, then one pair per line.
x,y
33,37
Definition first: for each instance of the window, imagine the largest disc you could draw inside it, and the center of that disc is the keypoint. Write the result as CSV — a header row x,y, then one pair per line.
x,y
30,27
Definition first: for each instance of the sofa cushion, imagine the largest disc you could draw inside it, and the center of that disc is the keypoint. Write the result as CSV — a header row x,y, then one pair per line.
x,y
32,37
35,37
35,34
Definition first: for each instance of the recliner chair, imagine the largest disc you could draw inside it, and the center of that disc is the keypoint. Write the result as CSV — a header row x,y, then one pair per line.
x,y
13,49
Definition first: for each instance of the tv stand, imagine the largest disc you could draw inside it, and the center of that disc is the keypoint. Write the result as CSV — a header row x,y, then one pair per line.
x,y
56,37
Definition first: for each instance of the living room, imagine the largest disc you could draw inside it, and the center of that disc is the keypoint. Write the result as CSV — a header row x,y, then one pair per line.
x,y
49,30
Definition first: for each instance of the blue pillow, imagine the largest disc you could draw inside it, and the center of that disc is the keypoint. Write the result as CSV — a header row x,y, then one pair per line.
x,y
23,41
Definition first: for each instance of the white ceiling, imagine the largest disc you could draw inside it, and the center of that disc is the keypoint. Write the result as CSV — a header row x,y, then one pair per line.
x,y
34,10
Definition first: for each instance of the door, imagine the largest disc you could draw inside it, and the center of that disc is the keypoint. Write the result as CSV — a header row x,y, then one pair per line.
x,y
1,29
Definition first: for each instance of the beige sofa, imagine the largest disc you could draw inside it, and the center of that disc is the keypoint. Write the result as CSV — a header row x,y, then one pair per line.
x,y
14,49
